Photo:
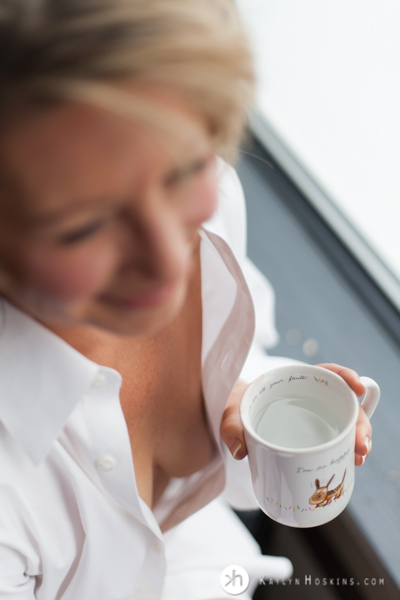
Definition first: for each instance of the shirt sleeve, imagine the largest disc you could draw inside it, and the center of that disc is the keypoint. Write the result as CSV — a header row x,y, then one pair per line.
x,y
199,548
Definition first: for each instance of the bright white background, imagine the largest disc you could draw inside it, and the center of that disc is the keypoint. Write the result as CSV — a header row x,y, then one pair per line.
x,y
329,84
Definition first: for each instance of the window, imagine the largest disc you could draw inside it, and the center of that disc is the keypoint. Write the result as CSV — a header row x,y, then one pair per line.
x,y
328,110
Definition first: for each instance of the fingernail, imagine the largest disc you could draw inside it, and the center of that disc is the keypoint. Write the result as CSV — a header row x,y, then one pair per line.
x,y
236,449
363,458
367,442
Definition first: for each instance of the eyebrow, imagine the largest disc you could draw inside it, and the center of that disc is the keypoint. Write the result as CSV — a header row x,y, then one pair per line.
x,y
42,220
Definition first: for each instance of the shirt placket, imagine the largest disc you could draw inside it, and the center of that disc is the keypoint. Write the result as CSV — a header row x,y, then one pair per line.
x,y
112,458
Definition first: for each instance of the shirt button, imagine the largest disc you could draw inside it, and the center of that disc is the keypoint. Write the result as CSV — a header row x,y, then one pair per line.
x,y
106,463
98,381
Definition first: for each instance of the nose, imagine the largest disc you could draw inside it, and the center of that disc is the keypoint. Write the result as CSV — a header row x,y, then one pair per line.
x,y
157,244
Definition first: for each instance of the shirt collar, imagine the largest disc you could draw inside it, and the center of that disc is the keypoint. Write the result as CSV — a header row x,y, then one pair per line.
x,y
42,379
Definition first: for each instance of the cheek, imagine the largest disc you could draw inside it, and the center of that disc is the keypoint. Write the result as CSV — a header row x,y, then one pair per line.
x,y
67,277
203,198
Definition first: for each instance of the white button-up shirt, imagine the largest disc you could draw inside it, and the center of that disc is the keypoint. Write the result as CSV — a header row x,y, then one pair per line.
x,y
72,525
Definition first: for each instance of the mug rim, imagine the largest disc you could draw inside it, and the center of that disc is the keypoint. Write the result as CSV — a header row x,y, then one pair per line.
x,y
244,417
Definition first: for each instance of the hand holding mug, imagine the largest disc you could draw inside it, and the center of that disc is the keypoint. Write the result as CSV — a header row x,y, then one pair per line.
x,y
301,425
232,431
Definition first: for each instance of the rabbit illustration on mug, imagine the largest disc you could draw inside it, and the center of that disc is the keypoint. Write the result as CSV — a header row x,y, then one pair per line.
x,y
322,496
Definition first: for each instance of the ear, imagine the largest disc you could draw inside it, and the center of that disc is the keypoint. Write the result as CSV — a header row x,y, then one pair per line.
x,y
317,483
327,485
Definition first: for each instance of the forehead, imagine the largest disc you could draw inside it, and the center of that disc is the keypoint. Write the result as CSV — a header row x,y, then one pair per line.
x,y
61,146
77,149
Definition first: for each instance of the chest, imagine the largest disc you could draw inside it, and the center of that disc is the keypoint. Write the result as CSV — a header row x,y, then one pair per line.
x,y
162,401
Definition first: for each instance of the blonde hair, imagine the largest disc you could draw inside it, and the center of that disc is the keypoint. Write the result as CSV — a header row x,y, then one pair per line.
x,y
55,50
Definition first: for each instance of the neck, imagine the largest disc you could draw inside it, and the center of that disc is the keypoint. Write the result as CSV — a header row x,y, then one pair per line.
x,y
97,344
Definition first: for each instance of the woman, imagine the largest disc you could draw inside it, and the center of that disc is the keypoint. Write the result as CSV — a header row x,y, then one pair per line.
x,y
125,323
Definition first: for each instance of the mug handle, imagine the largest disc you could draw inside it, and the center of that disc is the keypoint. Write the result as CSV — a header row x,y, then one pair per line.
x,y
372,394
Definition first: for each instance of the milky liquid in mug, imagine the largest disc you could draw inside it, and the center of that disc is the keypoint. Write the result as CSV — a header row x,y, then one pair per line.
x,y
299,423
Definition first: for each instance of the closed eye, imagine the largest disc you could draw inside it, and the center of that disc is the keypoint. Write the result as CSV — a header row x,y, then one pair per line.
x,y
180,175
82,233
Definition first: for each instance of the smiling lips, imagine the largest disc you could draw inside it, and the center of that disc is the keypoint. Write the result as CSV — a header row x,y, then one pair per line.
x,y
147,300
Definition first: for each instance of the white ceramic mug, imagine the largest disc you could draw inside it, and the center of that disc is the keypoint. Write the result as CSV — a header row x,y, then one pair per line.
x,y
294,484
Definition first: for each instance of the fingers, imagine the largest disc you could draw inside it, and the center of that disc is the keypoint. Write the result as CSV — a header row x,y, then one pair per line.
x,y
231,426
363,438
363,427
351,377
232,431
360,460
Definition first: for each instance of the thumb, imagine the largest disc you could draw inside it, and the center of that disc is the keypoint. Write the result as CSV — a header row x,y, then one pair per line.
x,y
231,429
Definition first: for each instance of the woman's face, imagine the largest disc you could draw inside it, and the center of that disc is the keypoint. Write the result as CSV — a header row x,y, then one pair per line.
x,y
99,215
